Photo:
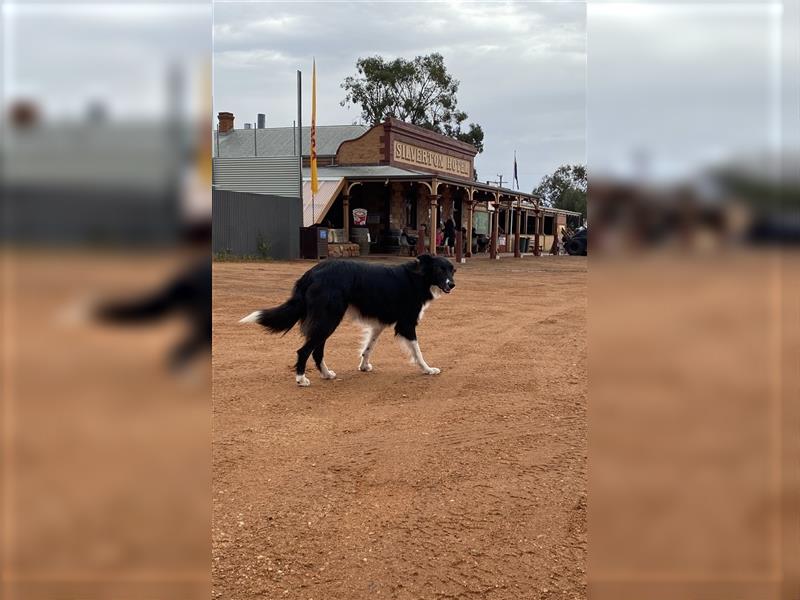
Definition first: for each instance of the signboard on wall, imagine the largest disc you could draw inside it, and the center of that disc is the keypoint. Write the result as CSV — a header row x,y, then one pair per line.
x,y
421,157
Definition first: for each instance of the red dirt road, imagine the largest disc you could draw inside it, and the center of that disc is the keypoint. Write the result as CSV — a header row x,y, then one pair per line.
x,y
394,484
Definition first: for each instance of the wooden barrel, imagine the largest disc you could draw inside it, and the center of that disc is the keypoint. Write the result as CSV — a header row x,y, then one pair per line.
x,y
360,235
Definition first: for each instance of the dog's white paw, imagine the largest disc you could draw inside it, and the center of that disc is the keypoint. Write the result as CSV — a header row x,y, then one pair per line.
x,y
302,380
329,375
365,367
432,371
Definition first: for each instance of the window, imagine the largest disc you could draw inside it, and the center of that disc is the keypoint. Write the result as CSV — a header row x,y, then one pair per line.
x,y
480,222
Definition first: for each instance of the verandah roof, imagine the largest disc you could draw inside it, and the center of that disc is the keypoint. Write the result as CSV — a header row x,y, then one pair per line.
x,y
315,209
333,179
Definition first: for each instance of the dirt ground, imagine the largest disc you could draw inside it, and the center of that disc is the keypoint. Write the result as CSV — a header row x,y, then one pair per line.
x,y
395,484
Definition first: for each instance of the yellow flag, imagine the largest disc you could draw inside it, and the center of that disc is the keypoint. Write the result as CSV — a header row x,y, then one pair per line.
x,y
204,164
314,182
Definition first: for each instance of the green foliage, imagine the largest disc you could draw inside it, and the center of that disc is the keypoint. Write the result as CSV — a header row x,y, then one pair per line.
x,y
566,188
573,199
224,255
263,246
418,91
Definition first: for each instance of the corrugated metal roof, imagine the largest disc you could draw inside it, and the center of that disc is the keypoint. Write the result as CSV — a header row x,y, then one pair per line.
x,y
560,211
279,141
128,155
277,175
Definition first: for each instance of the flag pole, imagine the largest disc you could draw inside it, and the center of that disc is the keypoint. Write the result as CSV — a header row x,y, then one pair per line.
x,y
313,140
300,129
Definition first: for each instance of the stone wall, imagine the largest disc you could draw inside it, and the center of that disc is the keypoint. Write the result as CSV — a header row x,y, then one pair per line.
x,y
343,250
423,213
397,218
445,203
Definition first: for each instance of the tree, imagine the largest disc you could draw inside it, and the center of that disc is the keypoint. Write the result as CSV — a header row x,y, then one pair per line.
x,y
418,91
565,188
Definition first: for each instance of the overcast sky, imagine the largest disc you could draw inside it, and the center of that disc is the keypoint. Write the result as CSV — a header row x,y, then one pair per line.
x,y
522,68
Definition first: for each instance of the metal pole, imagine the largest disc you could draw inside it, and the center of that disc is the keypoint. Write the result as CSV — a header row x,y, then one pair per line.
x,y
300,129
255,142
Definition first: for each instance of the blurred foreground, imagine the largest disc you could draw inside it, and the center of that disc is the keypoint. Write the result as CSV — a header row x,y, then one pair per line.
x,y
105,162
694,317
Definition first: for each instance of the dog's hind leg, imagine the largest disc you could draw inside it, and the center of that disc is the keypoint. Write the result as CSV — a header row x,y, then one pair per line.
x,y
319,359
324,316
302,358
371,339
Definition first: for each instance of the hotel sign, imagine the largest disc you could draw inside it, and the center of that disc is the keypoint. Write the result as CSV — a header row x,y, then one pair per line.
x,y
413,155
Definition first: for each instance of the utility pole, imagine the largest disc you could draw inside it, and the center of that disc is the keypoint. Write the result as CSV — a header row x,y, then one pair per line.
x,y
300,131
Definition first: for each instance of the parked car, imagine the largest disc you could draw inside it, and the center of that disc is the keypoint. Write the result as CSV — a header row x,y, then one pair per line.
x,y
577,244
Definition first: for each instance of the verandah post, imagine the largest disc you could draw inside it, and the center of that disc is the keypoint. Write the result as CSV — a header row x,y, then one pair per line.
x,y
346,214
495,227
469,229
434,228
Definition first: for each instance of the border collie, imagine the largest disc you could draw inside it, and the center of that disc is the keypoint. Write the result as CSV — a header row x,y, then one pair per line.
x,y
376,295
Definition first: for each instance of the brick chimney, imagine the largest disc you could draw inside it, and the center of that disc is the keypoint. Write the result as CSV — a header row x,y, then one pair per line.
x,y
225,122
24,113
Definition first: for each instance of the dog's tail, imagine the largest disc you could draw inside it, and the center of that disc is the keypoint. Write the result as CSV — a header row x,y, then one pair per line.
x,y
281,318
143,310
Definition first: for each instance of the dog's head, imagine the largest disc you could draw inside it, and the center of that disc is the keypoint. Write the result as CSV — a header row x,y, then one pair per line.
x,y
437,271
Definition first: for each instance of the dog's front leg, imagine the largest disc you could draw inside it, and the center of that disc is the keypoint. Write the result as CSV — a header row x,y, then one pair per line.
x,y
410,337
421,361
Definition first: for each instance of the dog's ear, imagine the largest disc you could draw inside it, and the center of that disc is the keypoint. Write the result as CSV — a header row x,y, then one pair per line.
x,y
422,263
425,259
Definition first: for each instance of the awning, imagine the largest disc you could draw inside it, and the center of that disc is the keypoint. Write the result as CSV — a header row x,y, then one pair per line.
x,y
314,213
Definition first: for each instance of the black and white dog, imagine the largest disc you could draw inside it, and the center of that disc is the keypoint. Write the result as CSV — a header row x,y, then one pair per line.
x,y
376,295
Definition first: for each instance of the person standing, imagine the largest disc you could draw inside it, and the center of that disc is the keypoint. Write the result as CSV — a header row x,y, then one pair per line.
x,y
450,236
